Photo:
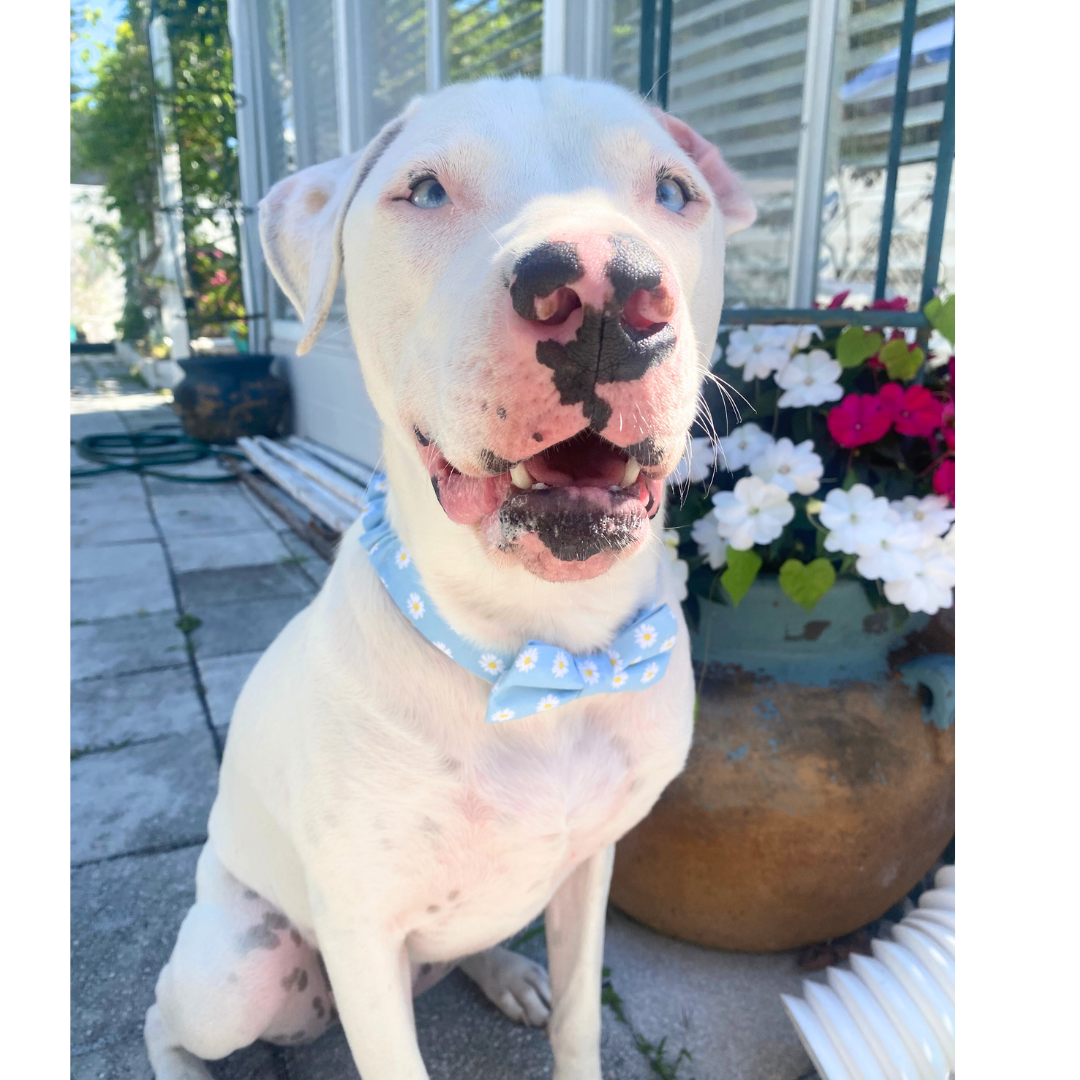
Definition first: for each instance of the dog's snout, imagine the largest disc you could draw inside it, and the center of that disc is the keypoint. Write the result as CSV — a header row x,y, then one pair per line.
x,y
539,289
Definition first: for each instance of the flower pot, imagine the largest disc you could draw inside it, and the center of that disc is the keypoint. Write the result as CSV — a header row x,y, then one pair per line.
x,y
222,398
819,786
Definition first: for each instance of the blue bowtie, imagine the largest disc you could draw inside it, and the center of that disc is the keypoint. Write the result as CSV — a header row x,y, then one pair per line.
x,y
541,676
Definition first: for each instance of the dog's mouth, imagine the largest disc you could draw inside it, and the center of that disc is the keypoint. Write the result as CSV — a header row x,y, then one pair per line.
x,y
577,499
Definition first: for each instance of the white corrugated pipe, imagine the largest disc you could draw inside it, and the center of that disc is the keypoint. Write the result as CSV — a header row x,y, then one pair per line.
x,y
891,1017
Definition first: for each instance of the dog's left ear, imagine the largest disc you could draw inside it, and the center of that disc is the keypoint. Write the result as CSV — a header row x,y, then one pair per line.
x,y
300,224
733,198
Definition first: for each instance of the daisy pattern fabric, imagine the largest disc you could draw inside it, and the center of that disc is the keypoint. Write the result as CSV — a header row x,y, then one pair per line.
x,y
540,677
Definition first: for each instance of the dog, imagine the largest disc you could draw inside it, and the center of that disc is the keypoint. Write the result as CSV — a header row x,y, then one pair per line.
x,y
533,279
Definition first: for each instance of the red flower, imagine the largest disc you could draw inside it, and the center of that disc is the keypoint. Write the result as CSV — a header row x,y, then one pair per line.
x,y
948,424
945,479
897,303
914,411
858,419
839,298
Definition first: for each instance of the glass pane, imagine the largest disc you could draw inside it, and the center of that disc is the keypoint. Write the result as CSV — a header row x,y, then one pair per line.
x,y
277,106
314,80
393,36
493,37
737,77
864,82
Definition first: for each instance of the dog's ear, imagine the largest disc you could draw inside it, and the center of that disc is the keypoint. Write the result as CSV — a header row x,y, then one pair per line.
x,y
733,198
300,224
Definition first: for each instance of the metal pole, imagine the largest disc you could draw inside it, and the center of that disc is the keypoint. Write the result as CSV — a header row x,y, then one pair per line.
x,y
648,46
896,138
436,44
665,52
946,150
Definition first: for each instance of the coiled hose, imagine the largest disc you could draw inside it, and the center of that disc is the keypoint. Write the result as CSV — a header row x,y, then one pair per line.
x,y
144,452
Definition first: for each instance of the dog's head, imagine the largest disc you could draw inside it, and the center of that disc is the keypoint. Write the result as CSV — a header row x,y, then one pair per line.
x,y
533,278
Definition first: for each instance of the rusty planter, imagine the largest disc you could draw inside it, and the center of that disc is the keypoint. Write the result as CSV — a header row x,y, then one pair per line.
x,y
222,398
819,786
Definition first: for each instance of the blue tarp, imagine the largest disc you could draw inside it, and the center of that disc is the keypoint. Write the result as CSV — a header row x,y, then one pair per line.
x,y
931,45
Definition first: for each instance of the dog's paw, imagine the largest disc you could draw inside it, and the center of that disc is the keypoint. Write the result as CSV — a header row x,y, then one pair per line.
x,y
516,984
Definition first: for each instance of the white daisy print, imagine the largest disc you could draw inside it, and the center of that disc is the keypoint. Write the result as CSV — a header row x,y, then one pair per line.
x,y
379,485
668,645
550,701
401,559
504,714
528,659
615,658
490,663
646,635
619,680
444,648
650,673
561,665
590,672
415,606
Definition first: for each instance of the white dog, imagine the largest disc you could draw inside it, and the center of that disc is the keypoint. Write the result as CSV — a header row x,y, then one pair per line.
x,y
534,277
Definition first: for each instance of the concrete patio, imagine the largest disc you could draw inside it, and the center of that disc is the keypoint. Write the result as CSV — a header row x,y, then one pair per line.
x,y
176,590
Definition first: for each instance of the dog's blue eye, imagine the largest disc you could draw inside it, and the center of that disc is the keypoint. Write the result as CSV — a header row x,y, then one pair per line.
x,y
670,194
429,195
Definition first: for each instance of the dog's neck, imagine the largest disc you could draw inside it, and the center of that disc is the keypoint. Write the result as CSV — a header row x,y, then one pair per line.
x,y
503,607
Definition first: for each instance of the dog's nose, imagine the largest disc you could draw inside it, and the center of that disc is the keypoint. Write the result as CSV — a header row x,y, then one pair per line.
x,y
554,279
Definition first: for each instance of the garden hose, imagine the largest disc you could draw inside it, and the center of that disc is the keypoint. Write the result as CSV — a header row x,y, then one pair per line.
x,y
143,452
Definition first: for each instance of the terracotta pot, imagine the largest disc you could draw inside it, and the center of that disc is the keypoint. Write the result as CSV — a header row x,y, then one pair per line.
x,y
222,398
819,786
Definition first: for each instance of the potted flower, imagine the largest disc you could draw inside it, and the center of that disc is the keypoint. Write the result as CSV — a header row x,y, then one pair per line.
x,y
817,538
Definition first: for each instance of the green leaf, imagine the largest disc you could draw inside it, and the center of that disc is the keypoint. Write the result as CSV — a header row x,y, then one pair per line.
x,y
807,583
742,569
943,317
900,361
855,345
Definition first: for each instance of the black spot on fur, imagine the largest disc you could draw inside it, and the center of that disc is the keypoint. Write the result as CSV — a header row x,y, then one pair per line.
x,y
646,451
433,909
317,1005
302,982
425,969
453,894
492,463
322,970
296,938
537,436
262,936
540,272
420,437
275,920
501,413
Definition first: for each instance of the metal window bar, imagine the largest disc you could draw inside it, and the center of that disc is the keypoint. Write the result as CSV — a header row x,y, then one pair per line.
x,y
657,90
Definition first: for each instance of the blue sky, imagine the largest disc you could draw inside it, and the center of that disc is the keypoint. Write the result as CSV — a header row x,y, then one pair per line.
x,y
104,32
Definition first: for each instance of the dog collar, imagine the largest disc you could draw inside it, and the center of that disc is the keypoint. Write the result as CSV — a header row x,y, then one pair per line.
x,y
538,678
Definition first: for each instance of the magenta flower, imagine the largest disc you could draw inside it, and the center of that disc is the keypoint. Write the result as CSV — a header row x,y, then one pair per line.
x,y
859,419
914,411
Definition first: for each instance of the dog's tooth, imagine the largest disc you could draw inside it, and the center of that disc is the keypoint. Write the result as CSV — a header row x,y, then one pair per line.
x,y
520,476
630,475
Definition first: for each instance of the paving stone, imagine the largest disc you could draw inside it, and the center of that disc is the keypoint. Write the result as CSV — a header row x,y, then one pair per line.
x,y
201,588
85,529
118,560
105,712
191,513
223,678
142,796
110,598
249,626
96,423
118,646
208,467
219,552
313,564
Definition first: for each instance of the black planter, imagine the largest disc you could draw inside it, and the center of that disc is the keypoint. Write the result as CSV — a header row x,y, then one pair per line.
x,y
222,398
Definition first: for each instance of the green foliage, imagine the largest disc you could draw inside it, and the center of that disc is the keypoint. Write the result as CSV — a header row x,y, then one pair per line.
x,y
856,345
942,316
807,583
742,569
901,362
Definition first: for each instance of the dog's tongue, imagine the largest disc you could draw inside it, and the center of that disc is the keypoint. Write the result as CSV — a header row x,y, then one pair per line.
x,y
469,499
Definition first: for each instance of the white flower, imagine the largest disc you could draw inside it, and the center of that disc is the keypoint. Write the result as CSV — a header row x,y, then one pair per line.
x,y
401,559
490,663
854,517
940,350
528,659
809,379
794,338
932,513
895,555
550,701
504,714
415,606
561,665
806,334
930,587
615,659
949,543
754,513
743,445
619,679
794,468
668,645
758,350
444,648
650,673
379,485
679,567
711,544
696,464
590,672
645,635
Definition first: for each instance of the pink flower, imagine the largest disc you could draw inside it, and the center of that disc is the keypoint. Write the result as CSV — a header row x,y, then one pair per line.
x,y
858,419
948,424
839,298
897,303
914,411
945,480
219,278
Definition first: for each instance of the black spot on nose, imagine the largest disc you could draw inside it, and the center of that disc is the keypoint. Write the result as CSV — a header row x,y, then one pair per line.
x,y
634,265
540,272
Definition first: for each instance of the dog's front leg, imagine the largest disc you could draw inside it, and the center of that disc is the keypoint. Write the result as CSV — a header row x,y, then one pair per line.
x,y
574,927
370,975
